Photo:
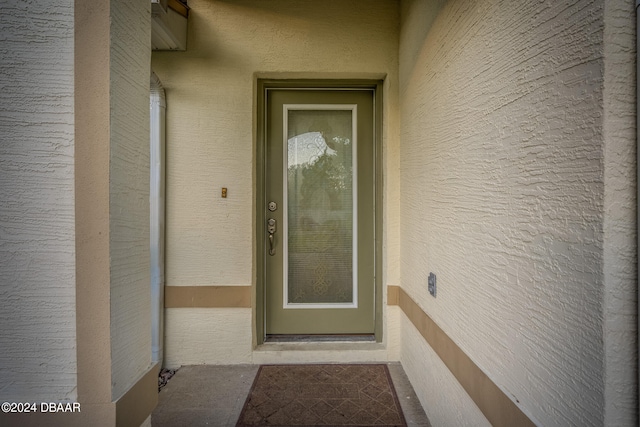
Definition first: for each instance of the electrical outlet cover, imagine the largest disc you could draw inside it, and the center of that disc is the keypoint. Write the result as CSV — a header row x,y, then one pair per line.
x,y
432,284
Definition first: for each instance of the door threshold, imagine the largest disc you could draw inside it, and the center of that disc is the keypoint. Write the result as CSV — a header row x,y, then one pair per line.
x,y
320,352
319,338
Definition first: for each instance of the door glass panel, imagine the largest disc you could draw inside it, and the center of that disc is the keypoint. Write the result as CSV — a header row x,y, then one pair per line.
x,y
320,206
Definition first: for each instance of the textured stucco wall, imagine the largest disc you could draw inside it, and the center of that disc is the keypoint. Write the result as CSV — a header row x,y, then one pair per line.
x,y
503,196
211,127
37,240
196,336
129,193
620,229
448,403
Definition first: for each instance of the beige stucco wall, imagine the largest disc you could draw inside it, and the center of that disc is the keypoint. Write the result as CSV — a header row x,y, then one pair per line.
x,y
116,380
516,172
74,236
211,130
448,402
129,193
197,336
620,271
37,239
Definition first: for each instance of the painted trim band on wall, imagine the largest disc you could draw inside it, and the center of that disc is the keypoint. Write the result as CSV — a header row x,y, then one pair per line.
x,y
136,405
207,296
393,295
499,409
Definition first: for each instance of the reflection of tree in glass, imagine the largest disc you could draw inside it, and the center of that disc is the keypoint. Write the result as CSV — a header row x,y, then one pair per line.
x,y
329,173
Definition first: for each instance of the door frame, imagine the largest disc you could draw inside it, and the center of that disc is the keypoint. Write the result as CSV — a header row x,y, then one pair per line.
x,y
263,87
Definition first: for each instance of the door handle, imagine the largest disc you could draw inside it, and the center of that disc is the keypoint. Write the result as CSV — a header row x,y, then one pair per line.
x,y
271,229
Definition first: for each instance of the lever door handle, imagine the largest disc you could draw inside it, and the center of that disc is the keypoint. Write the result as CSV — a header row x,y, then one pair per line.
x,y
271,229
272,251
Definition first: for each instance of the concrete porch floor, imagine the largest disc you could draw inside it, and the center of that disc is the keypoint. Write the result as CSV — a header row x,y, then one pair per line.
x,y
208,395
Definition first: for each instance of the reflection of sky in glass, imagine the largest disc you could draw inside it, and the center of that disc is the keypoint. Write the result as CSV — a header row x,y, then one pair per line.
x,y
306,148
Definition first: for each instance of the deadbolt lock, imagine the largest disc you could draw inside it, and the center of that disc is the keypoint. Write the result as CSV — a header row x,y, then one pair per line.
x,y
273,206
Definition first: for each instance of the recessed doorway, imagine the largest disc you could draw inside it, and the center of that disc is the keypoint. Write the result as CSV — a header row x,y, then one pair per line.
x,y
318,211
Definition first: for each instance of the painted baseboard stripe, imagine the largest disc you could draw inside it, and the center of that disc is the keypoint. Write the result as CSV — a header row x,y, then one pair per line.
x,y
207,296
135,406
499,409
393,295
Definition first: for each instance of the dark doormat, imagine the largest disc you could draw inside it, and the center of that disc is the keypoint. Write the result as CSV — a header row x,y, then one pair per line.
x,y
322,395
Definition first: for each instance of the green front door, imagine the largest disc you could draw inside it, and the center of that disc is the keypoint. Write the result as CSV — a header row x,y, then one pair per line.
x,y
319,212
